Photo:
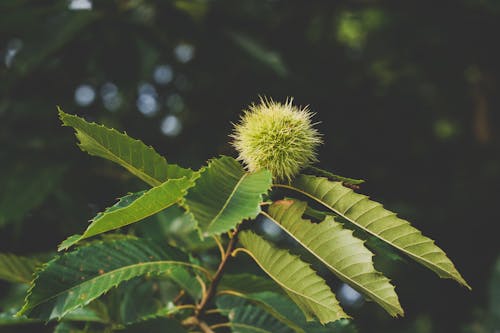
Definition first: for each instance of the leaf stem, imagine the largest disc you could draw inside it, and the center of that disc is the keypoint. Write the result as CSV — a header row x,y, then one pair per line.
x,y
221,248
221,325
218,275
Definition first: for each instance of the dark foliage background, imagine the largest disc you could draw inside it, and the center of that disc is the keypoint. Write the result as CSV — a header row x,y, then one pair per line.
x,y
406,92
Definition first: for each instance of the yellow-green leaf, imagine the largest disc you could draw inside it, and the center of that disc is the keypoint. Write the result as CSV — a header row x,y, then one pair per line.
x,y
308,290
139,159
337,248
225,194
133,208
373,218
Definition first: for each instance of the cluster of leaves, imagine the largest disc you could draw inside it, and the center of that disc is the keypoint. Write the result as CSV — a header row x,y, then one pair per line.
x,y
161,285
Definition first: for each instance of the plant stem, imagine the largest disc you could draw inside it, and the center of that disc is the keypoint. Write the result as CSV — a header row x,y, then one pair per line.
x,y
218,275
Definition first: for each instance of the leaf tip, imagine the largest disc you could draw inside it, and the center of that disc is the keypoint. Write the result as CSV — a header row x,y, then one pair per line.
x,y
69,242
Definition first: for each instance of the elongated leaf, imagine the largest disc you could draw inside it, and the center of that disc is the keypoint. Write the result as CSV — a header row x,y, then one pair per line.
x,y
331,176
279,307
271,305
178,227
247,283
337,248
373,218
141,160
159,325
37,183
9,318
16,268
133,208
309,291
74,279
225,194
247,318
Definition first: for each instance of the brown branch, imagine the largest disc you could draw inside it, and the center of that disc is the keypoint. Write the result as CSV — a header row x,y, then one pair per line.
x,y
218,275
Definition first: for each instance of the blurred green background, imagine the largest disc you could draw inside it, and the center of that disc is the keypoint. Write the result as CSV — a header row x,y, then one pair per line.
x,y
406,92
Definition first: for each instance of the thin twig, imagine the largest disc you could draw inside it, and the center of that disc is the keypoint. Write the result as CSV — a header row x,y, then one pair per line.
x,y
202,285
213,311
218,275
221,248
179,296
216,326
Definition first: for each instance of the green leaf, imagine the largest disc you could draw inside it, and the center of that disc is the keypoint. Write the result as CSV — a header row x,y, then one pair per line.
x,y
270,305
178,227
337,248
133,208
252,319
331,176
160,325
9,318
66,327
247,283
139,159
225,194
372,217
87,314
281,307
74,279
16,268
71,327
309,291
37,183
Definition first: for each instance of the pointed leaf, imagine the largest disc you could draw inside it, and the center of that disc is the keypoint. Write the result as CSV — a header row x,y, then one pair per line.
x,y
373,218
139,159
225,194
133,208
9,318
331,176
270,304
337,248
16,268
247,283
159,325
309,291
37,182
280,306
247,318
74,279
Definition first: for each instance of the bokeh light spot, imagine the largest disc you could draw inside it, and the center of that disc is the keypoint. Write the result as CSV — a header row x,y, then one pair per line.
x,y
184,52
84,95
271,229
110,96
80,4
171,126
349,296
13,47
445,129
147,104
163,74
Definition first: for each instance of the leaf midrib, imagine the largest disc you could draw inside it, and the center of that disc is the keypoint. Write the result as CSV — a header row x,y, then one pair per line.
x,y
369,231
226,203
152,181
254,328
343,276
114,212
95,279
261,303
284,286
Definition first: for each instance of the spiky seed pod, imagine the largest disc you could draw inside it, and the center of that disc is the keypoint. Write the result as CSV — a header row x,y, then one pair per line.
x,y
276,136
